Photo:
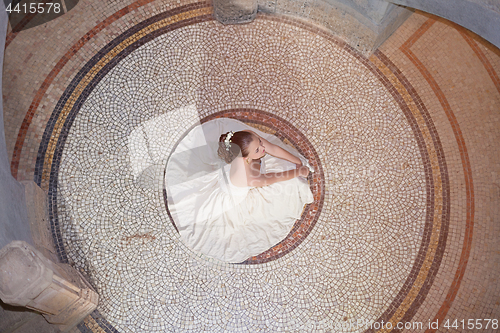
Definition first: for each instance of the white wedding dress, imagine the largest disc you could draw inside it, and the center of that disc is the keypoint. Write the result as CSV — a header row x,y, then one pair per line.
x,y
219,219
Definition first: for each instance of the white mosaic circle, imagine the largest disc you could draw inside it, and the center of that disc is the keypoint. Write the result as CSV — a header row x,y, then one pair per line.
x,y
110,201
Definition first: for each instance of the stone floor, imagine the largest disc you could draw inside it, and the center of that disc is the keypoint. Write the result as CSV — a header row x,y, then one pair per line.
x,y
405,220
20,320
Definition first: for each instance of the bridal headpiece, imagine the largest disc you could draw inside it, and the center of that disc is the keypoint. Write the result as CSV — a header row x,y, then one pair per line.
x,y
227,141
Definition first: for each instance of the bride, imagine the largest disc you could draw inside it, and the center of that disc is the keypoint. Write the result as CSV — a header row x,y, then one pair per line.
x,y
237,197
244,151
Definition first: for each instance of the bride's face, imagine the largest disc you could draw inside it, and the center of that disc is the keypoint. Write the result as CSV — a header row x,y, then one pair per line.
x,y
256,149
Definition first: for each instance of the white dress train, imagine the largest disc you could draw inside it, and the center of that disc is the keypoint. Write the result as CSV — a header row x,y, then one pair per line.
x,y
219,219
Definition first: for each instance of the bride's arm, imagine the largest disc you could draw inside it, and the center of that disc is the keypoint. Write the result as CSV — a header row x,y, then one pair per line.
x,y
274,177
277,151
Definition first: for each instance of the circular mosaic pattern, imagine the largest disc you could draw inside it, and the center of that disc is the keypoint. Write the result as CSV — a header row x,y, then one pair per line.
x,y
111,138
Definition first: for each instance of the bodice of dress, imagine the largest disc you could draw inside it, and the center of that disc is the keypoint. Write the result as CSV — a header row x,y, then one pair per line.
x,y
228,186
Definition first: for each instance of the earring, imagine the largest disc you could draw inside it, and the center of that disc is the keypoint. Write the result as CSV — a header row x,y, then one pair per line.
x,y
248,160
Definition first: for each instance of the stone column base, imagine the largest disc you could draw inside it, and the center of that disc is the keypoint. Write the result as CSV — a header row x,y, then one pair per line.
x,y
364,25
57,291
235,11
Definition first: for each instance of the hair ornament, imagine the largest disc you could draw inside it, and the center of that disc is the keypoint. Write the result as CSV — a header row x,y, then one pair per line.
x,y
227,140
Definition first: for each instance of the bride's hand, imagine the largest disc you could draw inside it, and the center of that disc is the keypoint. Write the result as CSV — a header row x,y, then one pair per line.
x,y
303,171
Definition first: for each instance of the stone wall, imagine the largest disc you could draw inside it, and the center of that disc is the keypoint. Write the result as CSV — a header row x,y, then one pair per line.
x,y
479,16
14,223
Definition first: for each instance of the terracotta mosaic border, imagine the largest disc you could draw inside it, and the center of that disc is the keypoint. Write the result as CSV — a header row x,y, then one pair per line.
x,y
52,173
469,185
482,57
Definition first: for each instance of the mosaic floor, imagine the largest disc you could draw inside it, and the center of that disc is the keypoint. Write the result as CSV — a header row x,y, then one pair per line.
x,y
405,217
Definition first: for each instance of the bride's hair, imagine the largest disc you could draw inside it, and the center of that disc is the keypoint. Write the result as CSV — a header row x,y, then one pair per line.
x,y
239,142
